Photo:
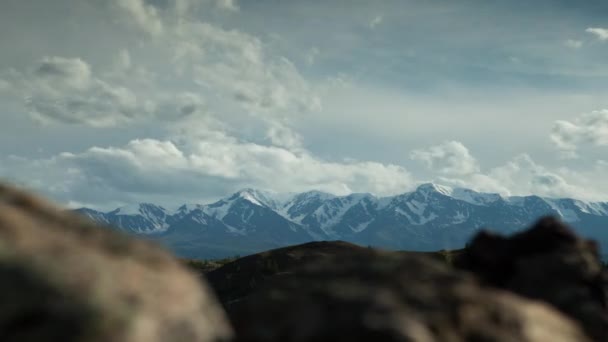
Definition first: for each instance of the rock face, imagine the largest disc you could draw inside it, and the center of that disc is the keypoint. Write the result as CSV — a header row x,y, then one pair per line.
x,y
548,263
389,297
64,279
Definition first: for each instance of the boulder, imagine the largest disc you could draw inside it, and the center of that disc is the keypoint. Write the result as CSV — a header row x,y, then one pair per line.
x,y
548,262
66,279
387,297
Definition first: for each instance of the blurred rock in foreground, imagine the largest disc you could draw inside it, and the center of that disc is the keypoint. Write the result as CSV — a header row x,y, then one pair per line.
x,y
547,262
64,279
390,297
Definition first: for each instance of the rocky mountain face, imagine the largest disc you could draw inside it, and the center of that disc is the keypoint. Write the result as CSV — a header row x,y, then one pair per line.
x,y
432,217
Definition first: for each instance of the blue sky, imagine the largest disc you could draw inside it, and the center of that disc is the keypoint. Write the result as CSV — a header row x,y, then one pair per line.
x,y
111,102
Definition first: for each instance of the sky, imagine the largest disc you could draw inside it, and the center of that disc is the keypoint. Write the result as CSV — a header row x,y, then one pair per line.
x,y
105,103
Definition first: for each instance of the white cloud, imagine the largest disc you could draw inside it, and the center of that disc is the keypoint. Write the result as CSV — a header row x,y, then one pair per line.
x,y
65,90
220,62
573,44
237,66
283,136
145,16
377,20
228,5
590,128
170,171
149,169
227,100
600,33
449,158
451,164
73,73
522,176
235,71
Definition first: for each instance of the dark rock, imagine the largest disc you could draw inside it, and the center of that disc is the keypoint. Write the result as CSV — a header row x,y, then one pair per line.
x,y
549,263
65,279
390,297
236,280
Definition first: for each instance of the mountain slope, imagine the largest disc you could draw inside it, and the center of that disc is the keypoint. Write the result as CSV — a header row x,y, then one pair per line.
x,y
430,218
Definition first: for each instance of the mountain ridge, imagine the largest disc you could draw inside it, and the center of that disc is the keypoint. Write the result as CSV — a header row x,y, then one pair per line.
x,y
432,217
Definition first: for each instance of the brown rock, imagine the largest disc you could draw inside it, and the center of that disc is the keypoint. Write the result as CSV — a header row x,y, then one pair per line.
x,y
549,263
386,297
65,279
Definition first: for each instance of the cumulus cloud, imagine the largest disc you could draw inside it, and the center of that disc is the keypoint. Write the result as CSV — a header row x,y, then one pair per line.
x,y
216,163
523,175
145,16
228,5
449,158
223,63
237,66
451,164
283,136
65,90
234,70
61,90
599,33
590,128
149,169
209,79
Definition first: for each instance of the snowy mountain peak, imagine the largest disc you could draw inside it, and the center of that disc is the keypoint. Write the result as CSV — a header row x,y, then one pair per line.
x,y
251,196
461,194
187,208
263,198
474,197
138,209
429,188
315,194
431,217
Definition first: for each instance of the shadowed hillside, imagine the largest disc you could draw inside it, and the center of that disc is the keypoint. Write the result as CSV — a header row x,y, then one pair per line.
x,y
238,278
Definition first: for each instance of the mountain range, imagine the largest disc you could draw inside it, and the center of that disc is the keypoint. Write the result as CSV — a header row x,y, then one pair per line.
x,y
433,217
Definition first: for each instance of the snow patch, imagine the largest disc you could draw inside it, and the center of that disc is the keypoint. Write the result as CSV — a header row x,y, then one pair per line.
x,y
129,210
473,197
361,227
218,210
460,218
331,213
566,213
417,207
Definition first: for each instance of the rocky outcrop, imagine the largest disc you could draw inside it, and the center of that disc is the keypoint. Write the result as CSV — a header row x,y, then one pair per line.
x,y
64,279
237,280
547,262
388,297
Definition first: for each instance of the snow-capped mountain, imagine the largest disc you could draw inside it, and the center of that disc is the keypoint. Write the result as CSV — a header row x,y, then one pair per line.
x,y
432,217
